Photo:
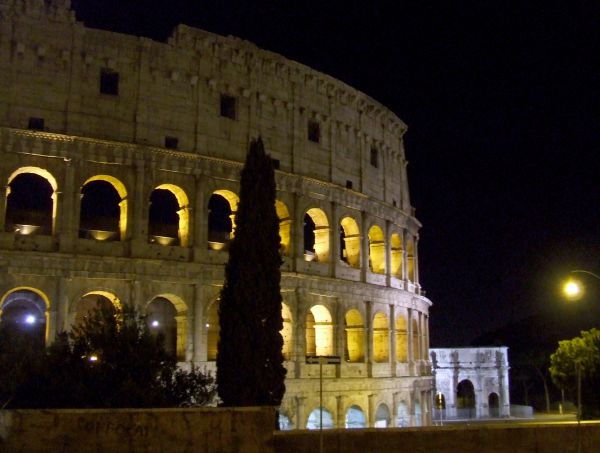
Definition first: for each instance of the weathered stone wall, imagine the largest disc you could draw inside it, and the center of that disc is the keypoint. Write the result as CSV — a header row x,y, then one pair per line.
x,y
249,430
243,430
555,438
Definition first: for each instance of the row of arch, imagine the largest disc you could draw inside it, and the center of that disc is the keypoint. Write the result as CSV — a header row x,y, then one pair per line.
x,y
32,205
319,335
26,310
355,417
466,402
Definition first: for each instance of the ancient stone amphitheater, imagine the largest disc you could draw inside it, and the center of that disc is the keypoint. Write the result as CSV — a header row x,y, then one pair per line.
x,y
121,160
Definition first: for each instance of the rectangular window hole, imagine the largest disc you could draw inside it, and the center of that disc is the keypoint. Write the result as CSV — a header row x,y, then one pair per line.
x,y
228,106
314,131
109,82
374,157
36,124
275,164
171,142
348,184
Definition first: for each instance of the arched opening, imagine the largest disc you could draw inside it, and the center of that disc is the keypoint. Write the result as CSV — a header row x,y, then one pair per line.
x,y
382,416
96,300
418,414
222,207
381,340
31,202
416,347
440,401
396,257
23,314
319,332
465,399
410,258
403,416
401,339
286,331
285,424
314,419
355,337
160,316
376,250
350,242
213,330
168,216
285,225
355,418
316,236
494,404
103,214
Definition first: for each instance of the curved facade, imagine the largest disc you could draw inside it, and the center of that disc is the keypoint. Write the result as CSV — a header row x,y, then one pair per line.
x,y
121,160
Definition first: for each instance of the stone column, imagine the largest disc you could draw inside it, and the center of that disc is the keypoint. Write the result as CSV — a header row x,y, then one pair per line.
x,y
341,416
199,220
300,422
61,308
198,327
66,212
392,336
388,252
371,411
369,337
395,404
3,205
416,263
409,333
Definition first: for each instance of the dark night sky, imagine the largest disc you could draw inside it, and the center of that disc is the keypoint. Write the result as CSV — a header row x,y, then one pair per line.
x,y
502,100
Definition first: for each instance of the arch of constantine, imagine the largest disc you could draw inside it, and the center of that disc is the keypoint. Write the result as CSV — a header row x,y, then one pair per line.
x,y
120,174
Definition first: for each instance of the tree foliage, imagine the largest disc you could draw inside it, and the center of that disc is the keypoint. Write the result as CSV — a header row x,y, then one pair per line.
x,y
583,352
110,360
250,367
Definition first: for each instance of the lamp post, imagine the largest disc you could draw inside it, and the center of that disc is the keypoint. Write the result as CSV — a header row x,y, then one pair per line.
x,y
574,290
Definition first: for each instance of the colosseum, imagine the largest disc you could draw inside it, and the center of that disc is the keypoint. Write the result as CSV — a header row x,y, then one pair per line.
x,y
121,159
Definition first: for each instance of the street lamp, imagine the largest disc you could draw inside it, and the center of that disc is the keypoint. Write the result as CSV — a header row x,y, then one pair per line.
x,y
573,290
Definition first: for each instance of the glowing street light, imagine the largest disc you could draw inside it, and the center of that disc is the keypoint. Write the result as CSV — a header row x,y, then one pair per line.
x,y
155,323
30,319
573,290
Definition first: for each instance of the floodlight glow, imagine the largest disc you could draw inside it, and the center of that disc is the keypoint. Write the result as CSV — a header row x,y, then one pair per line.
x,y
30,319
93,358
573,290
155,323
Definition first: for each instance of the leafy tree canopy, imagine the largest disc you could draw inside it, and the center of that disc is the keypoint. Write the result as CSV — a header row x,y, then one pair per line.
x,y
581,351
110,360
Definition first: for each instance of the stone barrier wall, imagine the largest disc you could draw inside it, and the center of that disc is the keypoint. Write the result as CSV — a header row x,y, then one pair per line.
x,y
250,430
502,438
244,430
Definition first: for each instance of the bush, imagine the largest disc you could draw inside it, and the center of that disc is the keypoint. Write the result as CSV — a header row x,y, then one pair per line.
x,y
110,360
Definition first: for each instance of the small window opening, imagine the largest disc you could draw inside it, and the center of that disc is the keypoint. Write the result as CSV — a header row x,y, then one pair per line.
x,y
109,82
275,163
36,124
171,142
394,203
348,184
374,157
228,106
314,131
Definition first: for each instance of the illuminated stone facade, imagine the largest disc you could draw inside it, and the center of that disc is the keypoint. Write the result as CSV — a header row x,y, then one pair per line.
x,y
471,383
132,150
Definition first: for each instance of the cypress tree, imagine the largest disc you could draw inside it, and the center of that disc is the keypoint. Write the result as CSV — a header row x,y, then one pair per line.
x,y
250,369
